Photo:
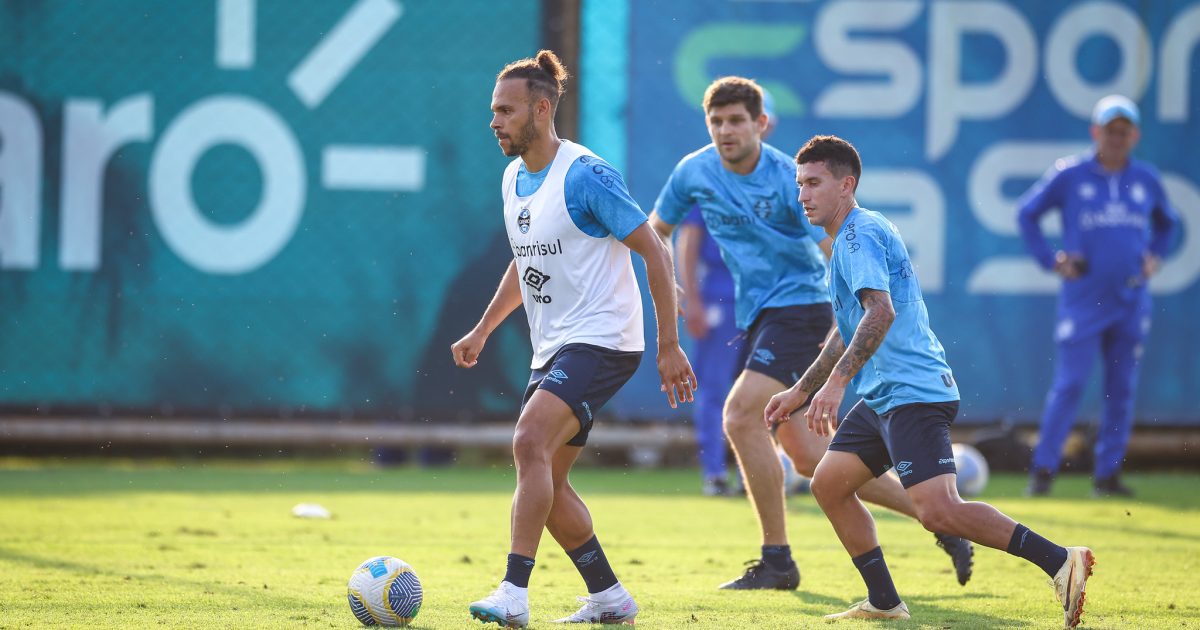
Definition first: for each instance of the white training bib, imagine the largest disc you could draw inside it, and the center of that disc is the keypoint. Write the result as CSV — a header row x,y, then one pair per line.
x,y
576,288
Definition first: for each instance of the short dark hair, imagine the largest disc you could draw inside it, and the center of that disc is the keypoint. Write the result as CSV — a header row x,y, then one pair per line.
x,y
544,75
839,156
730,90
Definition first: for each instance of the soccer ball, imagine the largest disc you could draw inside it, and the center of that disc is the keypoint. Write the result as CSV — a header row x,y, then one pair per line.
x,y
384,591
972,469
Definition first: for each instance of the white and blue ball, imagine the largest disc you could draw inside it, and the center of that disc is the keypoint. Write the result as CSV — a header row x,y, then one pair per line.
x,y
972,470
384,591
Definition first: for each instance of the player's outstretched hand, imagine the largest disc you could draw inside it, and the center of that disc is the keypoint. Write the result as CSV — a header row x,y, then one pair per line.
x,y
823,410
466,350
781,406
678,379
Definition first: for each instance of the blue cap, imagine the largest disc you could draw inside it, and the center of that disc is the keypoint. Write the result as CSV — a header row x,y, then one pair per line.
x,y
1112,107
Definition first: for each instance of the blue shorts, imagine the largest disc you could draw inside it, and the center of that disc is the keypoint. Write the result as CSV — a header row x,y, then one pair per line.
x,y
585,377
915,438
783,342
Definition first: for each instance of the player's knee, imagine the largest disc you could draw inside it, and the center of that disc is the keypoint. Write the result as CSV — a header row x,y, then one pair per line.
x,y
529,448
827,489
936,517
803,461
740,419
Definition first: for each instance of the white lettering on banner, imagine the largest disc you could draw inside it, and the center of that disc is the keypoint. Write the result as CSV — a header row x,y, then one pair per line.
x,y
215,248
1181,270
888,98
1174,68
924,229
1003,162
950,100
1076,26
89,140
20,184
1019,274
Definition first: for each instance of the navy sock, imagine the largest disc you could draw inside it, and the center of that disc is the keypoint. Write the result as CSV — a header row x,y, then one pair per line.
x,y
778,557
881,591
593,565
1047,555
519,568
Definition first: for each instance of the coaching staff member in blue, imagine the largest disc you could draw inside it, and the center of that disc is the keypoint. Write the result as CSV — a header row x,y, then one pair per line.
x,y
1117,226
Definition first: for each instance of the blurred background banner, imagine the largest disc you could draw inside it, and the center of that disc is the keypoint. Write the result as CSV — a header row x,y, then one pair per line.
x,y
256,206
278,207
957,108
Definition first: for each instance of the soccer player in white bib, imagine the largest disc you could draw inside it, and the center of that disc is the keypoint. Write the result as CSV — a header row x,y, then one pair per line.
x,y
571,224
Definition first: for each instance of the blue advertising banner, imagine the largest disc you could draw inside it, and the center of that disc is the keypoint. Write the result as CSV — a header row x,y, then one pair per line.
x,y
957,108
253,206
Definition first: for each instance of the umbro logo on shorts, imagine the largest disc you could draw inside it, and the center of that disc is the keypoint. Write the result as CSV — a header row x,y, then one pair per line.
x,y
904,468
556,376
764,356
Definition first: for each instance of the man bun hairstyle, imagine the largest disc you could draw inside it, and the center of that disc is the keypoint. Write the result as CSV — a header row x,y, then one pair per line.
x,y
839,156
730,90
544,74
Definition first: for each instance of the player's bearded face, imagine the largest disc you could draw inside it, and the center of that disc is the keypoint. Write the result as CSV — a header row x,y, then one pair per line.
x,y
525,136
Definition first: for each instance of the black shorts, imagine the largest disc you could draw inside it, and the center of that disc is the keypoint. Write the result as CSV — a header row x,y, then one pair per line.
x,y
915,438
783,342
585,377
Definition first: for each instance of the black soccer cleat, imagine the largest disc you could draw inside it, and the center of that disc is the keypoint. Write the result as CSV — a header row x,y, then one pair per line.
x,y
1111,487
1039,483
760,575
961,553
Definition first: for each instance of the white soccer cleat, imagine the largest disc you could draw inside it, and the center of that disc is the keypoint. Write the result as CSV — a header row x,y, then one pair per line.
x,y
864,610
507,606
613,606
1071,581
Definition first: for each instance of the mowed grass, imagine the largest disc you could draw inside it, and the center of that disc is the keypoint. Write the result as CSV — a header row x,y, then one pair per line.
x,y
214,545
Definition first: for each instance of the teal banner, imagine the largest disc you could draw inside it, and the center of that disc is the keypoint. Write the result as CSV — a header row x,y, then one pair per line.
x,y
253,206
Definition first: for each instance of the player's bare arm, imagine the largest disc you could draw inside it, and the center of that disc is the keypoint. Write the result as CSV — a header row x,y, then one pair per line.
x,y
688,242
678,380
506,300
783,404
664,231
878,316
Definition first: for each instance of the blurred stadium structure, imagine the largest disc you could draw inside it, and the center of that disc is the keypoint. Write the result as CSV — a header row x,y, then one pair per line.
x,y
288,209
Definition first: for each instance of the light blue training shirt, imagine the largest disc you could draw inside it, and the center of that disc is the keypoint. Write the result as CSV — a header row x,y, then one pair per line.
x,y
910,365
596,196
756,219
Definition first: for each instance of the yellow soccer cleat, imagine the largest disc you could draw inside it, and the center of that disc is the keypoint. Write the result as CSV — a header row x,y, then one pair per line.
x,y
1071,581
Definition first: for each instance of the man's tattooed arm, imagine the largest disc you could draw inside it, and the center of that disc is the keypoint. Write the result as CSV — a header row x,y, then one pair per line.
x,y
817,373
876,321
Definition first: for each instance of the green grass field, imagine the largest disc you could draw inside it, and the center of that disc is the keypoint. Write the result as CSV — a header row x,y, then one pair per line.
x,y
214,545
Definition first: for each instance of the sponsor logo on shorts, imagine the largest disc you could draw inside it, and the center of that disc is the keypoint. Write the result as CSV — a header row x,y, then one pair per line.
x,y
556,376
764,356
946,460
587,409
904,468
